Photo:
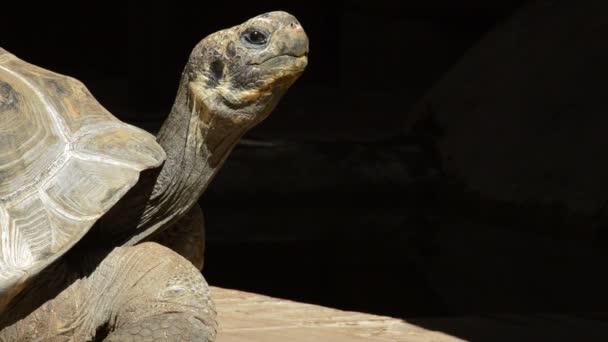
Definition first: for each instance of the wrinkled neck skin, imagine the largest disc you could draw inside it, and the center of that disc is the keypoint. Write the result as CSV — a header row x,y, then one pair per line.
x,y
195,151
200,132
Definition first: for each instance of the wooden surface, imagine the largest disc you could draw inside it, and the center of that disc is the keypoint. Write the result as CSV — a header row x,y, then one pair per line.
x,y
251,317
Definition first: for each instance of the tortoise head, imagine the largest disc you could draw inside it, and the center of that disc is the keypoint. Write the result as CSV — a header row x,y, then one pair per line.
x,y
238,75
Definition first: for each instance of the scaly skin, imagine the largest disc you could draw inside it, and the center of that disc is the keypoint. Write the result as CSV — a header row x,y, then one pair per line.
x,y
135,292
187,237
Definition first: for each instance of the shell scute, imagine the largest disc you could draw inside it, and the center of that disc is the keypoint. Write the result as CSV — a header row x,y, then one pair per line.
x,y
64,162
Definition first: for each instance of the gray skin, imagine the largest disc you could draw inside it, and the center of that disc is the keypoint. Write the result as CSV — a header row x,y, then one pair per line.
x,y
142,290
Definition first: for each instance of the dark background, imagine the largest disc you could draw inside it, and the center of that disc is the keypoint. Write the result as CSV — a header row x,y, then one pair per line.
x,y
419,168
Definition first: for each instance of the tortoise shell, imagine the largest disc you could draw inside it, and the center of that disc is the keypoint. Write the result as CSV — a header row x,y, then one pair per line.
x,y
64,162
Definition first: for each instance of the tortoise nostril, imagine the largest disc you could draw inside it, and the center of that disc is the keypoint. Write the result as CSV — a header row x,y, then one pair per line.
x,y
295,26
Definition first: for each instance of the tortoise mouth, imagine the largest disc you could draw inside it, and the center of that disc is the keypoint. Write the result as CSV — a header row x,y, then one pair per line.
x,y
286,62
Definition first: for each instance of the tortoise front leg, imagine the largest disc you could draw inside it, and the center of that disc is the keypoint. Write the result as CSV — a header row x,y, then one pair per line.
x,y
165,327
145,292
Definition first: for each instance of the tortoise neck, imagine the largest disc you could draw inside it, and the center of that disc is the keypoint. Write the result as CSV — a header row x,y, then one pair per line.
x,y
195,152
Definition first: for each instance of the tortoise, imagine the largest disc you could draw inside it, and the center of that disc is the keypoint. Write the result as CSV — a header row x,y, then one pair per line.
x,y
100,234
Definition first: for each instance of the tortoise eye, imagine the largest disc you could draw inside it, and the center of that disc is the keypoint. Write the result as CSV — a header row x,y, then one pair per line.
x,y
255,37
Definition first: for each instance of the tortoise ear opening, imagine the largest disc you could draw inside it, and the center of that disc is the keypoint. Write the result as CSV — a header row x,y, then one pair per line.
x,y
216,72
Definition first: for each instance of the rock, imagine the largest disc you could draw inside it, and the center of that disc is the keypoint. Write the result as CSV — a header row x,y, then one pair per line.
x,y
312,180
521,119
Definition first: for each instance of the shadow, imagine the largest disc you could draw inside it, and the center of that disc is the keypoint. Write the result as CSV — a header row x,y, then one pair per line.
x,y
312,223
519,327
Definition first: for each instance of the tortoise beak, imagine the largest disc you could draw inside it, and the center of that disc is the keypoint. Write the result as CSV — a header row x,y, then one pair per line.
x,y
293,53
296,40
